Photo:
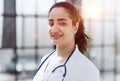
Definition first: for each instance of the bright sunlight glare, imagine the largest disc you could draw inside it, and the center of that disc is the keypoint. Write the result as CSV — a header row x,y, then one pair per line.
x,y
91,10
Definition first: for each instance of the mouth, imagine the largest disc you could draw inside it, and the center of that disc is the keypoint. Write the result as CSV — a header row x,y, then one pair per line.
x,y
56,37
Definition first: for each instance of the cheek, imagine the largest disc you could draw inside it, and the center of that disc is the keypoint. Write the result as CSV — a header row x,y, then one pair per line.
x,y
72,30
49,31
71,33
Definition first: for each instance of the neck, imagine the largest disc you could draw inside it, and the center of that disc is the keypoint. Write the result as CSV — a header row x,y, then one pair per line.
x,y
65,51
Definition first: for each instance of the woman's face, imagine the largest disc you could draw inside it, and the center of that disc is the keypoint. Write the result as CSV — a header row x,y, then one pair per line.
x,y
61,30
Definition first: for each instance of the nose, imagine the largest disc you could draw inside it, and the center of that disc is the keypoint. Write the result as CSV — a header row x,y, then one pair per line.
x,y
54,28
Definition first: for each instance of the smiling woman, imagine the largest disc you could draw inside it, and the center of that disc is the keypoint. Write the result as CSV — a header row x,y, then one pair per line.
x,y
67,62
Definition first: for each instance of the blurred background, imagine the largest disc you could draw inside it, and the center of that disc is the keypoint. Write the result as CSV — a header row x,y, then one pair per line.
x,y
24,38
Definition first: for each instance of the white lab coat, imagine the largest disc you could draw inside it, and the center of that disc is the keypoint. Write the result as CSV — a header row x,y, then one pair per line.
x,y
78,68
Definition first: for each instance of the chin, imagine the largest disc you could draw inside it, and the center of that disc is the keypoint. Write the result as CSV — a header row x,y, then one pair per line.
x,y
57,43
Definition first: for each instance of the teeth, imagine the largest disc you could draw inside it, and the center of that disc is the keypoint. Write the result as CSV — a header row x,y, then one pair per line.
x,y
56,36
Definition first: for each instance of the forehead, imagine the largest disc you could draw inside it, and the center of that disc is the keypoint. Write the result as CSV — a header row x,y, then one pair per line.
x,y
58,13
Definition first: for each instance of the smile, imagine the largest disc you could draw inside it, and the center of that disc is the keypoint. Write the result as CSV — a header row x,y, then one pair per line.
x,y
55,37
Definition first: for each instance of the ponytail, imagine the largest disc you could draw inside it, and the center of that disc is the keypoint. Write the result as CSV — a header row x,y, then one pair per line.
x,y
81,38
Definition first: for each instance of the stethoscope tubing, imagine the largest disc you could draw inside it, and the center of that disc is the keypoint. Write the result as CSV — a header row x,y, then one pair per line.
x,y
44,61
59,67
64,65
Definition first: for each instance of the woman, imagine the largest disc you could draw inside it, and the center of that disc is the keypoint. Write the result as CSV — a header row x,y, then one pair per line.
x,y
67,62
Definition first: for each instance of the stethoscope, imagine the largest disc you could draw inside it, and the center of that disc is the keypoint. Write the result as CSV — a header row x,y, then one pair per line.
x,y
59,72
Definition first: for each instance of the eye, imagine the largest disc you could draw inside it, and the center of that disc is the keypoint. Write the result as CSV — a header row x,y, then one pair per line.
x,y
61,23
51,24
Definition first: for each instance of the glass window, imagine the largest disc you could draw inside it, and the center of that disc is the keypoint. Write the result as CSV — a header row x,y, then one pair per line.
x,y
92,9
109,33
117,6
109,7
118,27
87,26
118,32
43,7
97,33
19,6
109,56
43,32
1,7
25,31
1,21
19,31
96,56
29,28
45,51
26,7
30,7
1,28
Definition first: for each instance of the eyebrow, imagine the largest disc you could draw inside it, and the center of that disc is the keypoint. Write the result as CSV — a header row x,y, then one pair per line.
x,y
61,19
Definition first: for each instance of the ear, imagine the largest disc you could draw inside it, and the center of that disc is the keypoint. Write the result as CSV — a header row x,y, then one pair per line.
x,y
76,27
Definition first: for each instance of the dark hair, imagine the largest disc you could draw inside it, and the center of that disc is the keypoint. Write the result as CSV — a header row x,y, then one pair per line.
x,y
80,37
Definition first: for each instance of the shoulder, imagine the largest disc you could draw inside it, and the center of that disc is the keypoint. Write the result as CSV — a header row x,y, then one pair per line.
x,y
84,63
44,58
81,66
